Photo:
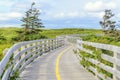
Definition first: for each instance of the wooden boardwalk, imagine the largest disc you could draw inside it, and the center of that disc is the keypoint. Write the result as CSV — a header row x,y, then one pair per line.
x,y
44,67
54,59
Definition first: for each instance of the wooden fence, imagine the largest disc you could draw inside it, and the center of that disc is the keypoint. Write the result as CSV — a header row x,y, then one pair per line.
x,y
96,64
23,53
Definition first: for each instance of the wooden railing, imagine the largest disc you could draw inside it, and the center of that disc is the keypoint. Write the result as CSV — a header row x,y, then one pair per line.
x,y
21,54
99,60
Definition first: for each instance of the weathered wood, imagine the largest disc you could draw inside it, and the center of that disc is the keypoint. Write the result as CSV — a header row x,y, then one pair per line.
x,y
108,58
99,74
7,73
21,54
86,50
112,59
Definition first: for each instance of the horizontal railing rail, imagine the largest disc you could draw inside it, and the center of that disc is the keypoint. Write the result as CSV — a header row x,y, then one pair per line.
x,y
103,59
23,53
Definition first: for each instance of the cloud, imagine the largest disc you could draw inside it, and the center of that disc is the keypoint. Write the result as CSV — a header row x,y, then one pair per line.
x,y
99,5
96,14
57,12
63,15
96,8
9,16
6,3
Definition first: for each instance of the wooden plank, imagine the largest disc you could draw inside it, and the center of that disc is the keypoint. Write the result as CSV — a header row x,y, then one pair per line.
x,y
85,50
27,62
99,74
118,62
23,51
7,73
108,58
21,61
117,73
101,46
35,43
101,65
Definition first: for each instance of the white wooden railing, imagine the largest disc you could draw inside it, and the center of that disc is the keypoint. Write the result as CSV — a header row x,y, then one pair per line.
x,y
114,59
23,53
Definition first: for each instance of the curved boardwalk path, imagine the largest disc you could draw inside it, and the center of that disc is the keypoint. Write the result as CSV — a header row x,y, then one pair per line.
x,y
44,68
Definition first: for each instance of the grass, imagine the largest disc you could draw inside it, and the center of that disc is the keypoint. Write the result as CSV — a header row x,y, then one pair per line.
x,y
101,39
8,36
56,32
10,33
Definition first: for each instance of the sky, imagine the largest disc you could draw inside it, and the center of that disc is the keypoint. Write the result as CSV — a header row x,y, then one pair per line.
x,y
59,13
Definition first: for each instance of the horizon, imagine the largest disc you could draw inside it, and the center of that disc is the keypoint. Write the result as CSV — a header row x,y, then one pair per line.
x,y
82,14
55,28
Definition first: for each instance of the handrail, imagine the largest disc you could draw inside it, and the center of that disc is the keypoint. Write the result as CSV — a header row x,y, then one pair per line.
x,y
23,53
114,59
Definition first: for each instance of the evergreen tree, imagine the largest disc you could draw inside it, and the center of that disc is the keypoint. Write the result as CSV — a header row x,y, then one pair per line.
x,y
107,24
31,20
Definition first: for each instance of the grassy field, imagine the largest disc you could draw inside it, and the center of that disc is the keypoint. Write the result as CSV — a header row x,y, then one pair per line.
x,y
7,35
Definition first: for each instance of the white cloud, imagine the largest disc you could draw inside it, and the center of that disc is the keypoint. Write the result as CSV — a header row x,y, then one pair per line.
x,y
9,16
68,15
96,14
96,8
99,5
6,3
53,10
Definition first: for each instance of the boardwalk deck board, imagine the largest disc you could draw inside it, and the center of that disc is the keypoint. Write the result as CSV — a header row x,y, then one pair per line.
x,y
44,67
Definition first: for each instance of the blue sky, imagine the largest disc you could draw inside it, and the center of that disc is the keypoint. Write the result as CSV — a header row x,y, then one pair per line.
x,y
59,13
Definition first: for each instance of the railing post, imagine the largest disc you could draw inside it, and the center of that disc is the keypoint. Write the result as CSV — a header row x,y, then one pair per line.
x,y
115,66
56,43
47,46
79,44
22,48
50,44
96,72
43,46
63,42
34,49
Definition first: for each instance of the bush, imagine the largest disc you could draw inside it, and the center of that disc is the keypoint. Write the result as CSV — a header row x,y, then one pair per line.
x,y
34,37
100,39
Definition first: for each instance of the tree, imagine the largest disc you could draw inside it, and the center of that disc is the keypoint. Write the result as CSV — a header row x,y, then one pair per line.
x,y
107,24
31,20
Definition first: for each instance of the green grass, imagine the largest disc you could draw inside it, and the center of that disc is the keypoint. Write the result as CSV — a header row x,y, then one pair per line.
x,y
10,33
7,35
56,32
102,39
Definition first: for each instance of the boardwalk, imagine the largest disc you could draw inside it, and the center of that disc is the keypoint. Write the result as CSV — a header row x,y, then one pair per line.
x,y
54,59
44,68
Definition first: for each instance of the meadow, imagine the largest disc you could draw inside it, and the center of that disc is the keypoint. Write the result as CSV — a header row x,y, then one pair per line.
x,y
10,36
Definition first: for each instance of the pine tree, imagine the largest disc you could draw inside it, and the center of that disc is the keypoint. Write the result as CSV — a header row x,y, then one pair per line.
x,y
31,20
107,24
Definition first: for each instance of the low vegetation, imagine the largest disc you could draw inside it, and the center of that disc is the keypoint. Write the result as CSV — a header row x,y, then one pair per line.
x,y
97,56
10,36
101,39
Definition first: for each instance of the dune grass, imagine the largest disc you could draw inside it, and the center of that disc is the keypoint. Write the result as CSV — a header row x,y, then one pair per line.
x,y
9,33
